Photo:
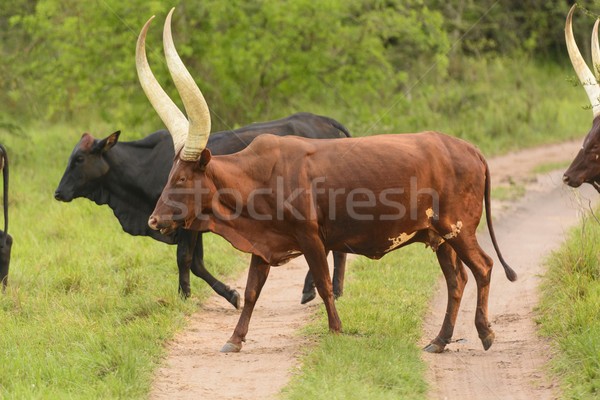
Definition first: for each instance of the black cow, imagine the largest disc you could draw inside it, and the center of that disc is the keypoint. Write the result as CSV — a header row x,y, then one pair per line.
x,y
130,176
5,239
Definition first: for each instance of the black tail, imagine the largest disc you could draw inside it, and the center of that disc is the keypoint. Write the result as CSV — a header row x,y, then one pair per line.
x,y
339,127
5,195
510,273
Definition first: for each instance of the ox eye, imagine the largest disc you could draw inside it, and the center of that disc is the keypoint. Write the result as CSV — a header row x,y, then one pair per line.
x,y
79,159
181,180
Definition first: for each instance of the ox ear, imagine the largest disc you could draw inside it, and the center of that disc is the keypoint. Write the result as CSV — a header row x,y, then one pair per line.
x,y
205,157
106,143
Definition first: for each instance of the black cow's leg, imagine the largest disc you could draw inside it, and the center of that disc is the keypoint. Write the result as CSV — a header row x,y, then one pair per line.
x,y
456,279
257,276
480,264
185,254
5,259
339,270
316,257
231,295
308,292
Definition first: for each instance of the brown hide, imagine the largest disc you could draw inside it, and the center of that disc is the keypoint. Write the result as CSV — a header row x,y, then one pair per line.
x,y
331,173
286,196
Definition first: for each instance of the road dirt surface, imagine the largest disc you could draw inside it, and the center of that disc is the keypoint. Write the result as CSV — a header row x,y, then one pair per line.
x,y
527,231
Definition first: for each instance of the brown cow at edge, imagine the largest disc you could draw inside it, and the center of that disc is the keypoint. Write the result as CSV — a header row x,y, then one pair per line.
x,y
283,197
586,165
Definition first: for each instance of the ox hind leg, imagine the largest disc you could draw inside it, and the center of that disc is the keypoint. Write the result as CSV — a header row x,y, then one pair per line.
x,y
257,276
480,264
456,279
339,270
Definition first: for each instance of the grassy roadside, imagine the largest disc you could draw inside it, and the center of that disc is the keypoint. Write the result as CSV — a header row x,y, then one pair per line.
x,y
569,312
88,307
377,357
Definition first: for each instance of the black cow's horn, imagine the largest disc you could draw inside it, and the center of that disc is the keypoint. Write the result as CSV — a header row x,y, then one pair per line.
x,y
587,79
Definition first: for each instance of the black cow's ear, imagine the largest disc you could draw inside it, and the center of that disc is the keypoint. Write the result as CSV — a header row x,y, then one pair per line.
x,y
106,143
205,157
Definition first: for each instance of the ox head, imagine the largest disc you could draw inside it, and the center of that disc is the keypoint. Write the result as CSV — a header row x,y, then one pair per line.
x,y
85,168
177,203
586,165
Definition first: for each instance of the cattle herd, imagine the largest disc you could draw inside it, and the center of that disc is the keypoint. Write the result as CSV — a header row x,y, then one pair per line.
x,y
300,185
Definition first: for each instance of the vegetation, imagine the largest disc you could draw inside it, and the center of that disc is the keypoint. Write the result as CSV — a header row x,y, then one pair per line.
x,y
570,316
376,357
465,67
87,311
88,307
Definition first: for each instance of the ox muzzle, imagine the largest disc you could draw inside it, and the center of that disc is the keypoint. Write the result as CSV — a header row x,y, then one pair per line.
x,y
580,172
165,226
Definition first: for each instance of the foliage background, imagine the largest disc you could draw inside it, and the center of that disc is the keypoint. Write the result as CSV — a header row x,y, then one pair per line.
x,y
377,66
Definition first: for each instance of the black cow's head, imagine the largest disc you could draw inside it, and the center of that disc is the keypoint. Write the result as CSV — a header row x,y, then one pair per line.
x,y
586,165
86,167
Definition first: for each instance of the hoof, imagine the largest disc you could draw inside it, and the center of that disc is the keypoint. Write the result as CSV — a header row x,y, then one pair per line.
x,y
185,294
308,296
488,341
235,299
231,348
434,348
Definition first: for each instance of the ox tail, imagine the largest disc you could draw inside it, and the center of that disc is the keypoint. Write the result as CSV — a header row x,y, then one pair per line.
x,y
5,195
510,273
339,127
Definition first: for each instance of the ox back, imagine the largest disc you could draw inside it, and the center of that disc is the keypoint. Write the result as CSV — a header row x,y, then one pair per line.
x,y
5,239
130,176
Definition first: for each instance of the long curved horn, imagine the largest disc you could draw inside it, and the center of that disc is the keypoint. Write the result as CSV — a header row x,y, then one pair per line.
x,y
168,111
193,100
596,51
586,77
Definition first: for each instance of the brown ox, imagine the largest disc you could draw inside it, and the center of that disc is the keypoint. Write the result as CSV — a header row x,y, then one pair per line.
x,y
283,197
586,165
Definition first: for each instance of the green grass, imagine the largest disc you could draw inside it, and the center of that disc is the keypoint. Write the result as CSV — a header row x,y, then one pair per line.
x,y
570,312
88,307
382,311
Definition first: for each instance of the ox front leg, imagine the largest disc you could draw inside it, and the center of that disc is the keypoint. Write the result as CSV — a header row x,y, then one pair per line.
x,y
339,270
317,262
456,279
257,276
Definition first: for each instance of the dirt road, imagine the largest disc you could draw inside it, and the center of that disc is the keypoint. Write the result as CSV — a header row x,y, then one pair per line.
x,y
510,369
